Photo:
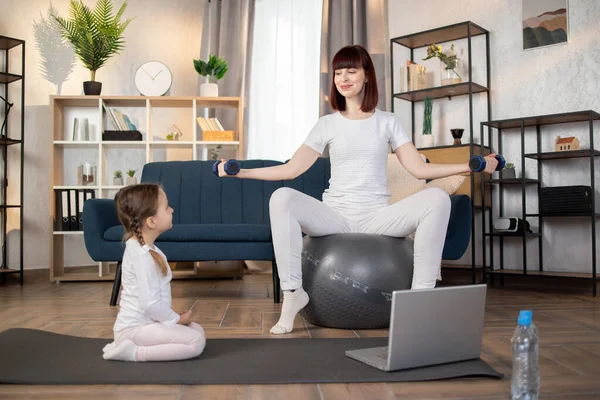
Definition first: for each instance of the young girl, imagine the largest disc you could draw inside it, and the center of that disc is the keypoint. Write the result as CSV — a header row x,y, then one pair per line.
x,y
147,328
359,137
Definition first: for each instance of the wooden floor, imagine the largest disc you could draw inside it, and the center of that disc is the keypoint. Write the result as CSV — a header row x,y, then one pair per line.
x,y
569,325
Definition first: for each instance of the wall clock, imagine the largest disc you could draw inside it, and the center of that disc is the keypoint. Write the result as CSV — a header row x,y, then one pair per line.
x,y
153,78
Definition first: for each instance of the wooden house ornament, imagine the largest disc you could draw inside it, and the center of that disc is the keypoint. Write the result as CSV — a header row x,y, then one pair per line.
x,y
566,143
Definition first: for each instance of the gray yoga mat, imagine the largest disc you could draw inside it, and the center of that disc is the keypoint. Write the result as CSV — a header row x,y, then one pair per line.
x,y
30,356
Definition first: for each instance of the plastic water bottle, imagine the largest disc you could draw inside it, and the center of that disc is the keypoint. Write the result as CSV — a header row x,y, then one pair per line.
x,y
525,383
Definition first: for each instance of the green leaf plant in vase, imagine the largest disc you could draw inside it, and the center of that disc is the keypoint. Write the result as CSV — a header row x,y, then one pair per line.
x,y
427,134
449,64
213,69
96,35
508,172
131,179
118,178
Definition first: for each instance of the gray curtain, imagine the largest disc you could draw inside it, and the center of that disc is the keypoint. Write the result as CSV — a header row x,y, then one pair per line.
x,y
349,22
227,33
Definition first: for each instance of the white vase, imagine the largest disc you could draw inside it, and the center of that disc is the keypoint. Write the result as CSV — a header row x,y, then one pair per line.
x,y
427,140
117,181
209,90
131,180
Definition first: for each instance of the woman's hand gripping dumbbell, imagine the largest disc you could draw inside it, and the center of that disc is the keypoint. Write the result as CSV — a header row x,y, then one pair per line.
x,y
489,164
226,167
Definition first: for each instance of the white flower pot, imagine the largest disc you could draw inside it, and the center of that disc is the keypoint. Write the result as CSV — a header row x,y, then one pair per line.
x,y
209,90
427,140
118,181
131,180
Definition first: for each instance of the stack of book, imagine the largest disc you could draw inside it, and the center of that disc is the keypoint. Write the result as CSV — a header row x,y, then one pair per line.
x,y
413,77
124,128
212,130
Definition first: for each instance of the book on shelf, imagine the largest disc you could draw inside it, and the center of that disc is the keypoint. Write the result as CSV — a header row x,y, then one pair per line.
x,y
413,77
120,121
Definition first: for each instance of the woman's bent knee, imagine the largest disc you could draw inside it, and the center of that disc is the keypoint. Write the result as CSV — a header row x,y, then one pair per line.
x,y
281,197
438,198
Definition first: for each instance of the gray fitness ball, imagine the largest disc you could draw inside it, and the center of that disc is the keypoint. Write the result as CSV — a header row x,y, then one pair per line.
x,y
350,278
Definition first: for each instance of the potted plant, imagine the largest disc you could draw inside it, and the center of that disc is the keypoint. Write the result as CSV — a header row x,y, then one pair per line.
x,y
214,70
214,153
96,35
131,180
427,136
118,178
508,172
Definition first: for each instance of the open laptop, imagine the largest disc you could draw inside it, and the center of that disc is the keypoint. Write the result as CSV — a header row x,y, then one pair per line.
x,y
429,327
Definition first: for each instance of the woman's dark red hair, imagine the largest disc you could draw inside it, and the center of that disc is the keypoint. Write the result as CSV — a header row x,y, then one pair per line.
x,y
354,57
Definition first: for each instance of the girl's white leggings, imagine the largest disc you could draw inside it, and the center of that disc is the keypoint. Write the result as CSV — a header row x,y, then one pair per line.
x,y
160,342
426,213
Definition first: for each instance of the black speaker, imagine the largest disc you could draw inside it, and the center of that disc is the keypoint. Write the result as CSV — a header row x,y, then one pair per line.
x,y
566,200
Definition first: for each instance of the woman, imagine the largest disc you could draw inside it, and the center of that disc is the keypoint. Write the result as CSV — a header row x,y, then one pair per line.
x,y
359,136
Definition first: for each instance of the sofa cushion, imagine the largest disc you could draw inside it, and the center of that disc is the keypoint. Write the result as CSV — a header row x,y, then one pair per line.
x,y
204,233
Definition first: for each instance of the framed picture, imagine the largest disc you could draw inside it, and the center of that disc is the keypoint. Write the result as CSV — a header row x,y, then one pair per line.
x,y
545,23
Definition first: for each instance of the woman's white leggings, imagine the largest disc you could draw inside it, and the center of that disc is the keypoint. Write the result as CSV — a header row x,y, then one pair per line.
x,y
426,213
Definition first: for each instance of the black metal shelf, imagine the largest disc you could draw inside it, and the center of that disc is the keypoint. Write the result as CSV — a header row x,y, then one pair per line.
x,y
4,141
443,34
7,44
513,234
452,146
542,120
554,274
9,271
571,214
556,155
6,77
2,207
439,92
587,117
512,181
463,30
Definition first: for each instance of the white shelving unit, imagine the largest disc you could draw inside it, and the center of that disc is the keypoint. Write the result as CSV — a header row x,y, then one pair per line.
x,y
153,117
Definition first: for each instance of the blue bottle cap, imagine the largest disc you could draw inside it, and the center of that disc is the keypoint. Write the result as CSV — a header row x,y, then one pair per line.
x,y
525,317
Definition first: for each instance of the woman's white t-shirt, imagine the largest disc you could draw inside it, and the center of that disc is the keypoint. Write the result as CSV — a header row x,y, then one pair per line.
x,y
145,293
358,151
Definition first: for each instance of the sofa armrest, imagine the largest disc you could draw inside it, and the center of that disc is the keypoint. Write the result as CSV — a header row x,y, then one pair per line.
x,y
98,216
458,234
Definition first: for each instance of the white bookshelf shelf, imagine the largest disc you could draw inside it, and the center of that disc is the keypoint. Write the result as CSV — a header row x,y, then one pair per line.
x,y
74,143
153,117
173,143
227,143
77,187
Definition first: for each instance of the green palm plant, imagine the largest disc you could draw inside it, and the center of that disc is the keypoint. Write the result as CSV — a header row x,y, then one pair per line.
x,y
96,35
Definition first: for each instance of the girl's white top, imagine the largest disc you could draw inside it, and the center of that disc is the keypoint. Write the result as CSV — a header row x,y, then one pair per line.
x,y
145,293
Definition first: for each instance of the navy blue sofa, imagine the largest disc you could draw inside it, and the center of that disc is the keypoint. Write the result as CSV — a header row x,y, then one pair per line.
x,y
218,219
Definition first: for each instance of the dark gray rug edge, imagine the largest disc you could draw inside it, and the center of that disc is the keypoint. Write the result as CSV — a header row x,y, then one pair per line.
x,y
218,365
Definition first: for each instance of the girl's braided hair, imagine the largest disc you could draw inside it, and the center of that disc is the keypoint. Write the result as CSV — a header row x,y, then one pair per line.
x,y
134,204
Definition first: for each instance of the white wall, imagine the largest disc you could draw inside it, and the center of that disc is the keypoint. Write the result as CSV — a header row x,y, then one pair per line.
x,y
166,31
547,80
